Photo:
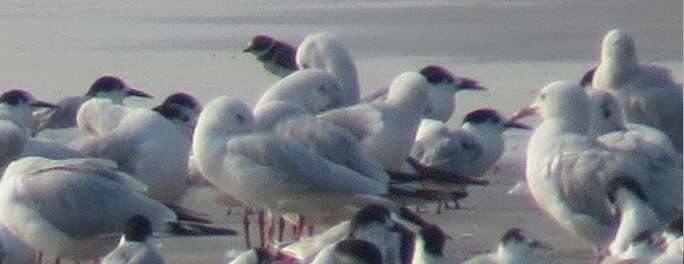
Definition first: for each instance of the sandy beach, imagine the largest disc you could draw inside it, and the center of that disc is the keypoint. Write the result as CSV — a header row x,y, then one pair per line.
x,y
513,47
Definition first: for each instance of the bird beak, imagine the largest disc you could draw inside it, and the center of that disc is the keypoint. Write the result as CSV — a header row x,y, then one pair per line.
x,y
470,87
522,113
513,124
38,103
135,92
250,47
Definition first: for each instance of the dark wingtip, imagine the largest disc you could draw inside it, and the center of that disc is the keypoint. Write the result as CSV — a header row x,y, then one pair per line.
x,y
184,214
137,228
624,182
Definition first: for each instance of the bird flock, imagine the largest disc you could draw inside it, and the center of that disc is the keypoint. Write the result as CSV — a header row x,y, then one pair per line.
x,y
605,163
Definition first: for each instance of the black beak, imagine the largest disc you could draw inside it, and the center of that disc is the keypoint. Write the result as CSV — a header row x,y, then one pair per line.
x,y
138,93
38,103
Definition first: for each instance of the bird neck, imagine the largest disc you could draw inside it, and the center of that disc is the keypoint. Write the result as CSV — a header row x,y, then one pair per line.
x,y
613,72
20,116
209,149
442,100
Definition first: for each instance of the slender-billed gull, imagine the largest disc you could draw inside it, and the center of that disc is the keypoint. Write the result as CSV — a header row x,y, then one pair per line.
x,y
325,52
276,56
18,106
647,92
136,245
568,172
314,90
76,208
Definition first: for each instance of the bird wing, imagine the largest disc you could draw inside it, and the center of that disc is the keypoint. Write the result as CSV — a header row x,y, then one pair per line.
x,y
83,198
100,116
362,120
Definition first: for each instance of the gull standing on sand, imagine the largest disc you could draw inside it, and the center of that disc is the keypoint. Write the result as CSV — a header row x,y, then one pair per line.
x,y
76,208
109,87
647,92
568,172
276,56
148,145
514,248
136,246
325,52
244,163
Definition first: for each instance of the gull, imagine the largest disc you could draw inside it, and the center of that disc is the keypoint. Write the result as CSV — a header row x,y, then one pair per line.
x,y
135,246
386,129
443,86
148,145
568,172
429,247
276,56
325,52
76,208
470,150
609,126
109,87
514,248
245,163
648,93
13,250
314,90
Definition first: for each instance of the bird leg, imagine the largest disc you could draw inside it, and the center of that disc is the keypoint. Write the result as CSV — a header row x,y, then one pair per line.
x,y
245,222
262,228
281,227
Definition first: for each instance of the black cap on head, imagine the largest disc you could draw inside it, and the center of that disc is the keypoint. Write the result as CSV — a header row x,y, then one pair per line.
x,y
513,235
369,214
138,228
15,97
482,115
170,112
624,182
674,227
106,84
434,239
436,74
359,249
259,43
183,99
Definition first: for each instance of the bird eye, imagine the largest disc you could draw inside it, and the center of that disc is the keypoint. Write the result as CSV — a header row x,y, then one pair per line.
x,y
542,96
240,118
305,66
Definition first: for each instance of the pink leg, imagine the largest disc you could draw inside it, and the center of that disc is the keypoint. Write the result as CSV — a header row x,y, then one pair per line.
x,y
281,228
245,222
310,229
58,260
271,227
262,233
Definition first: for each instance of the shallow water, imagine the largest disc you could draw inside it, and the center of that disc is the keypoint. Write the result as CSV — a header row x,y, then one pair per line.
x,y
57,48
